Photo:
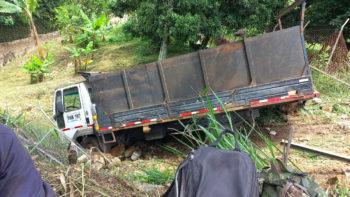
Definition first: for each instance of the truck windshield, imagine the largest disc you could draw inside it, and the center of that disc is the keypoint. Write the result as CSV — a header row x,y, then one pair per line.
x,y
71,99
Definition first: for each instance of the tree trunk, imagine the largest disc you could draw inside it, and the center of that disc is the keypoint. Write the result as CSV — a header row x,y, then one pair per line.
x,y
163,52
41,77
205,42
29,14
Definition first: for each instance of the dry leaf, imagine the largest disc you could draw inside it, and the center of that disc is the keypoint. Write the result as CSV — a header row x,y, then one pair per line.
x,y
63,182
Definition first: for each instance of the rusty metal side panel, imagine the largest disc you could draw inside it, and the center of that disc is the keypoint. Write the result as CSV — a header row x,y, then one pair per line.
x,y
183,77
145,85
109,93
276,56
226,67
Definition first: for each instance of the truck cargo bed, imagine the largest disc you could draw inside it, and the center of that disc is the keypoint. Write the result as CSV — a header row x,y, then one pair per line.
x,y
268,68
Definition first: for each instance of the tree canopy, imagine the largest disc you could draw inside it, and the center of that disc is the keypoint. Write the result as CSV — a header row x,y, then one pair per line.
x,y
190,21
328,13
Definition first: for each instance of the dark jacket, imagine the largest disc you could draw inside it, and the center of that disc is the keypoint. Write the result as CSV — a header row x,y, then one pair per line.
x,y
18,175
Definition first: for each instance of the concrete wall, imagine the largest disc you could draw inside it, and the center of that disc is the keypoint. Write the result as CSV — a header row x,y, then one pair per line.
x,y
17,48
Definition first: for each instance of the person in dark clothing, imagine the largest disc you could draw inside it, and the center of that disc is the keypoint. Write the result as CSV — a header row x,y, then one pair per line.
x,y
18,175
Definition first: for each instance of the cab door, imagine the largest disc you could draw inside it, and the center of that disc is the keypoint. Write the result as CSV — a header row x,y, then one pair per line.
x,y
74,116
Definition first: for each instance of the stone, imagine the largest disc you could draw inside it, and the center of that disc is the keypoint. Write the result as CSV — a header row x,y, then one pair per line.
x,y
72,157
129,151
118,150
344,125
97,166
148,188
346,171
343,116
83,159
97,157
333,180
97,161
316,100
273,133
136,154
116,161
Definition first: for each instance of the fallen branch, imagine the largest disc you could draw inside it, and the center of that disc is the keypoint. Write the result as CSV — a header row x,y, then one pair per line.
x,y
331,76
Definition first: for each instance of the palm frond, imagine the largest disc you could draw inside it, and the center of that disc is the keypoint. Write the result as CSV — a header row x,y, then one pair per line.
x,y
9,8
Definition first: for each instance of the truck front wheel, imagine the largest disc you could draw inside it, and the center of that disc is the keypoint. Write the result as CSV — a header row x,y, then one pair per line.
x,y
89,142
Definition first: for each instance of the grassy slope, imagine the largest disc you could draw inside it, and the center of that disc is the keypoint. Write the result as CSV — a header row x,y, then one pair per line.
x,y
18,95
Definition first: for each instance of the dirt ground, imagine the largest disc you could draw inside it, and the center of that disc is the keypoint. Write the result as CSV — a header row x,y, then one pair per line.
x,y
123,181
325,136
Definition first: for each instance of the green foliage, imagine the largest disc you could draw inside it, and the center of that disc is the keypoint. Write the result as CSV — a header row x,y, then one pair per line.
x,y
94,29
68,20
341,191
330,88
195,135
155,176
11,8
37,67
118,35
82,19
328,12
190,21
80,27
339,109
6,20
81,56
47,138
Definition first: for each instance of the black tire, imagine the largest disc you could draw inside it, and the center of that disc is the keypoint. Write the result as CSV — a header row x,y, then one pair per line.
x,y
89,141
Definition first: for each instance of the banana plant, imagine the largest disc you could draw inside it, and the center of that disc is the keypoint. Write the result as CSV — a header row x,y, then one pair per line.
x,y
37,67
81,56
94,28
26,7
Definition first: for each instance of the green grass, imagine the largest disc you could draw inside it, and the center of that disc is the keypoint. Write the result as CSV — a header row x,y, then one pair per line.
x,y
45,137
154,176
341,191
195,135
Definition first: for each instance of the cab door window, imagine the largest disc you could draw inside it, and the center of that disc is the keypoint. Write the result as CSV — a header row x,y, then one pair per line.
x,y
71,99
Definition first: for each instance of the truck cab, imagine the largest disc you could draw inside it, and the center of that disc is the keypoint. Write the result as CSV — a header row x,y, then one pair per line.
x,y
73,110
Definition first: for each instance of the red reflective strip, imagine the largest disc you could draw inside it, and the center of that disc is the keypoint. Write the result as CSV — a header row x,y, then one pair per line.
x,y
186,114
130,124
104,128
254,102
145,121
219,108
77,127
66,129
203,111
274,99
90,125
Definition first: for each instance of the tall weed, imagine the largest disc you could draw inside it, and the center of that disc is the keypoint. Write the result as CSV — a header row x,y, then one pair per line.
x,y
195,135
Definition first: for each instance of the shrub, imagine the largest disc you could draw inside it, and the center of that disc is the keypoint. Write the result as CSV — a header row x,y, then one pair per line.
x,y
82,56
37,67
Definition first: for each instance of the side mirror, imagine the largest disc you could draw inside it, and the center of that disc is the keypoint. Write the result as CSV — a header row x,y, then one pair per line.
x,y
60,107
